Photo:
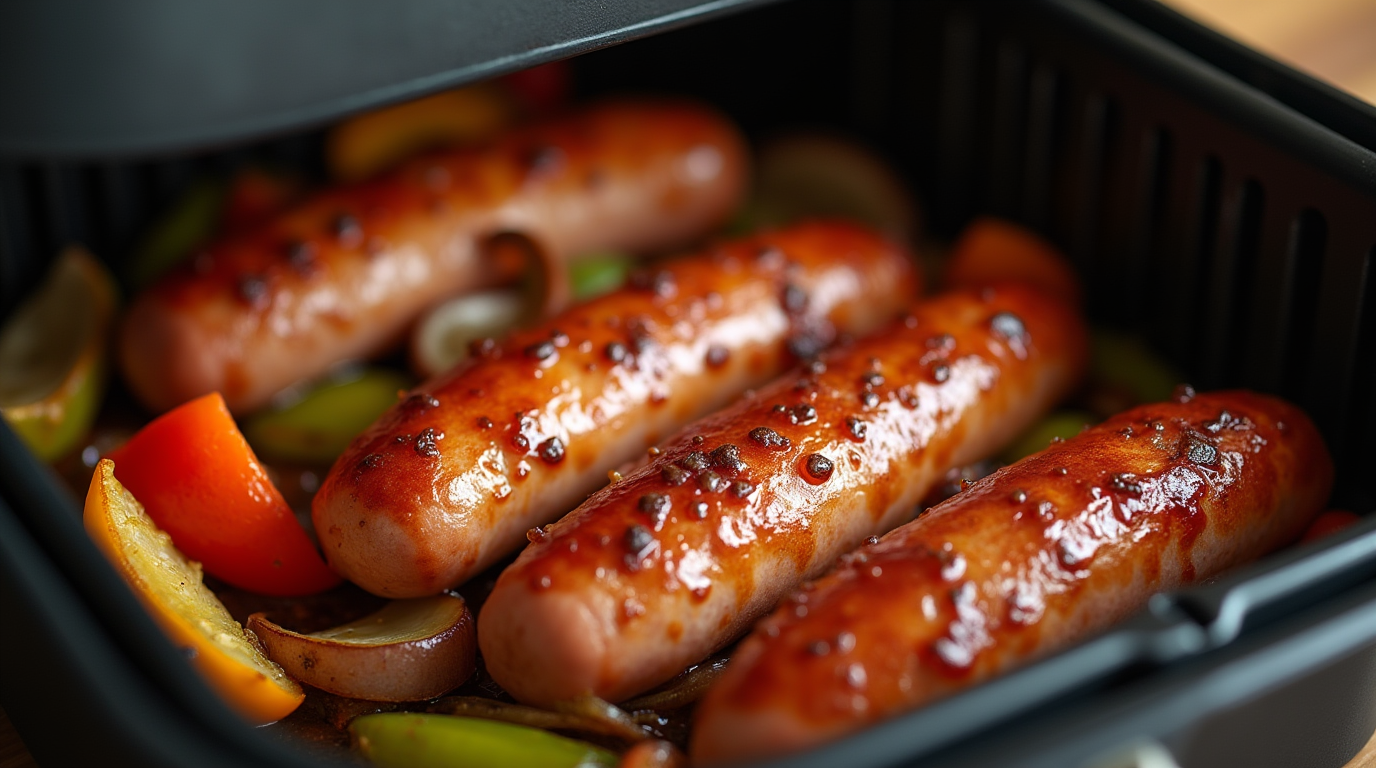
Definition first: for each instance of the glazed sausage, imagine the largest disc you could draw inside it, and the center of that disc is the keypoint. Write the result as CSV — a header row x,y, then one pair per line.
x,y
656,571
343,275
1028,560
451,478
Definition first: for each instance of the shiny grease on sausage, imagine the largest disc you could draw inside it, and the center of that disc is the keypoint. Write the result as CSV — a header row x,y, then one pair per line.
x,y
656,571
451,479
1024,562
345,273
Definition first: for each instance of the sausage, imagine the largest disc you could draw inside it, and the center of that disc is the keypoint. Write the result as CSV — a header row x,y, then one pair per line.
x,y
343,275
1030,559
451,479
658,570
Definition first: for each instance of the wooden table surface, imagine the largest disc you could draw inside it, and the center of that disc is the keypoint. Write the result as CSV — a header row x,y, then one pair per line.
x,y
1334,40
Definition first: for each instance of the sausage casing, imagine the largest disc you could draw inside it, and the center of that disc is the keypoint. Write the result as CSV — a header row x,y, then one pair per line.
x,y
452,478
656,571
344,274
1029,559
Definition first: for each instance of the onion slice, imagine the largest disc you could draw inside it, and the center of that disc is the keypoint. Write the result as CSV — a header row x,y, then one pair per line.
x,y
579,717
411,650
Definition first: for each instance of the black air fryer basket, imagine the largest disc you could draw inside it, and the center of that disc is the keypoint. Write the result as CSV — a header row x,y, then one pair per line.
x,y
1219,206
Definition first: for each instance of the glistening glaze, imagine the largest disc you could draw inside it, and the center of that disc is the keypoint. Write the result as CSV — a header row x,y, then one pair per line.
x,y
1025,561
676,559
451,478
342,275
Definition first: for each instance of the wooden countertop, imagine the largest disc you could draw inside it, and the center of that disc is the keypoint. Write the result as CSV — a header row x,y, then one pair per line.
x,y
1330,39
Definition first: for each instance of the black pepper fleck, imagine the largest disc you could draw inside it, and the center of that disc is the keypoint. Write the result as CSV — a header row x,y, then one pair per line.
x,y
717,356
711,482
426,442
674,475
819,466
802,413
615,351
656,505
696,461
768,438
551,451
638,537
857,426
540,350
727,458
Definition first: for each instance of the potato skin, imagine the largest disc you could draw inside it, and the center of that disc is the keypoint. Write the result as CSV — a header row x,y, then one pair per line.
x,y
656,571
1028,560
452,478
344,274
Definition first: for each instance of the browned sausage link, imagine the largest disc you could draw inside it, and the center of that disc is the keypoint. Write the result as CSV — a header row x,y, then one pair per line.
x,y
343,275
1026,561
451,479
656,571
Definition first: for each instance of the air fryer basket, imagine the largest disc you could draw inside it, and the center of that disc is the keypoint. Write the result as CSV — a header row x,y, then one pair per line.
x,y
1232,233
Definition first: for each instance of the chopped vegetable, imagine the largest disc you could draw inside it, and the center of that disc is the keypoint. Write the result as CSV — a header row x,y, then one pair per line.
x,y
443,337
1061,425
192,219
809,175
993,250
1124,373
681,691
377,141
408,740
169,585
53,355
411,650
622,727
319,426
200,482
592,275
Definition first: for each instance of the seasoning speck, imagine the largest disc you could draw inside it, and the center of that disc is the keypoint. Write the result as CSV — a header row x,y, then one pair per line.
x,y
695,461
819,467
540,350
768,438
551,450
426,442
656,505
857,426
638,537
727,458
674,475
